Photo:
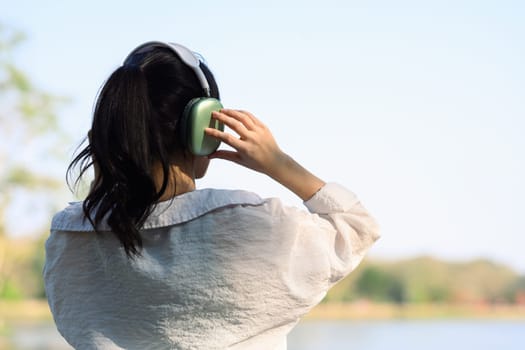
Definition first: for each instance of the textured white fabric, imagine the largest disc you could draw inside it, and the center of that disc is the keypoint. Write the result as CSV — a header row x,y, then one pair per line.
x,y
220,269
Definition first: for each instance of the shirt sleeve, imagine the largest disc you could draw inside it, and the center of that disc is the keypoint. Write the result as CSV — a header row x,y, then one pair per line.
x,y
329,242
355,229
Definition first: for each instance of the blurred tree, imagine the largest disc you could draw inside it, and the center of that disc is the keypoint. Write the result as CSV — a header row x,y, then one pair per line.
x,y
515,292
29,126
378,285
429,280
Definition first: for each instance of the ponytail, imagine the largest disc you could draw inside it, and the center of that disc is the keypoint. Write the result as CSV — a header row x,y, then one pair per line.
x,y
124,147
134,133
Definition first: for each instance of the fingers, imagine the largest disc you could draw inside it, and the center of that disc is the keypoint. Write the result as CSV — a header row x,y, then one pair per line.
x,y
225,137
238,121
254,120
244,117
251,132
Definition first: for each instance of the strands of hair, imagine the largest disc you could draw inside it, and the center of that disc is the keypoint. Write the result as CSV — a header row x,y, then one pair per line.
x,y
134,130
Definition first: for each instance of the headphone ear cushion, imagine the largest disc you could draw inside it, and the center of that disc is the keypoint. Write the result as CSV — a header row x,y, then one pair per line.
x,y
184,125
195,118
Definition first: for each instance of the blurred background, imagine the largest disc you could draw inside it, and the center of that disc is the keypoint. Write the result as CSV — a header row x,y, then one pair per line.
x,y
417,106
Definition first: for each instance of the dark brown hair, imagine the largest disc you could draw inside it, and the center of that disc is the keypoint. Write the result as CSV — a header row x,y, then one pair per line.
x,y
135,125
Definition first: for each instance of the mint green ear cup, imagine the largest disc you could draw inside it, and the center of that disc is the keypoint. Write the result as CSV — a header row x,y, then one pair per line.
x,y
197,117
197,113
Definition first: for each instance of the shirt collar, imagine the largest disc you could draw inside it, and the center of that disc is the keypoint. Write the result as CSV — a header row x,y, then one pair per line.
x,y
182,208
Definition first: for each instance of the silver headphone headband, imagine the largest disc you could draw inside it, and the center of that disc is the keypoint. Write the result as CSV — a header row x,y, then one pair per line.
x,y
186,55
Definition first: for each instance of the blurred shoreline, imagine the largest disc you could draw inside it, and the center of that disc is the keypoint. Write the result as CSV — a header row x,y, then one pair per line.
x,y
31,319
365,310
37,311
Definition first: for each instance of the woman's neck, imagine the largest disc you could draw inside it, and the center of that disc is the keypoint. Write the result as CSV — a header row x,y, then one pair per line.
x,y
179,181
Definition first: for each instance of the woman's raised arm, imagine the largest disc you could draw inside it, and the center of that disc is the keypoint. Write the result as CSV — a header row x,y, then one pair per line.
x,y
256,148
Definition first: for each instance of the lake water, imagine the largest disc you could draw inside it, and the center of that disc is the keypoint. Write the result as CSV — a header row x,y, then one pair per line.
x,y
347,335
408,335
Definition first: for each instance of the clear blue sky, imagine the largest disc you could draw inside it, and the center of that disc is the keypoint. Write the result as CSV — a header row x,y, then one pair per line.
x,y
417,106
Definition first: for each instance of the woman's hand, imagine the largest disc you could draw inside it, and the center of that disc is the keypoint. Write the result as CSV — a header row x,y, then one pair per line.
x,y
256,149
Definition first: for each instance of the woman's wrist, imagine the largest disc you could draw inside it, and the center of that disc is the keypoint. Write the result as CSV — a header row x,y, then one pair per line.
x,y
295,177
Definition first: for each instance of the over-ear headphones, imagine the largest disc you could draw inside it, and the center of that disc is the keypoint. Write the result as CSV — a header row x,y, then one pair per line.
x,y
197,113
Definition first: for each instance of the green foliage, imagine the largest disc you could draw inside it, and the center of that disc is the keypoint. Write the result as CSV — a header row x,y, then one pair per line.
x,y
10,39
29,126
21,264
37,266
515,292
428,280
378,285
10,291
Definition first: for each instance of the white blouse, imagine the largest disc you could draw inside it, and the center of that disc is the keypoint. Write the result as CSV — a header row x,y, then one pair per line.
x,y
220,269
